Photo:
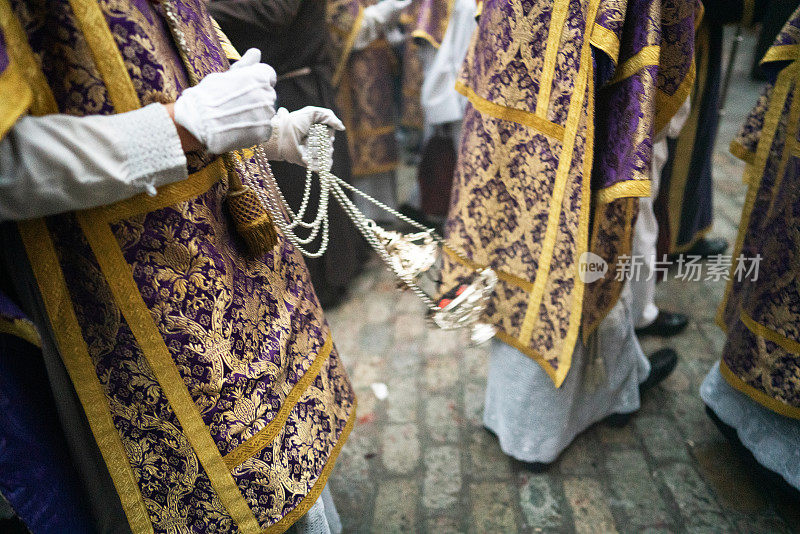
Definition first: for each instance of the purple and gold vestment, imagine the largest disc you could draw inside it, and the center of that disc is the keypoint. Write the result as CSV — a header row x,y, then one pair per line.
x,y
209,379
761,309
363,80
564,99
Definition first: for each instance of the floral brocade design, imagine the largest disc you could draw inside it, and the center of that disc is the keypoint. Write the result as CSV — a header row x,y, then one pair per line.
x,y
246,338
556,132
762,316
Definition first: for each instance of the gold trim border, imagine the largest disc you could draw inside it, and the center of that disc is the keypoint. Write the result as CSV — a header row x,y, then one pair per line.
x,y
607,41
348,48
264,437
626,189
312,496
75,354
757,395
648,56
13,107
738,150
789,345
558,18
22,329
781,53
525,118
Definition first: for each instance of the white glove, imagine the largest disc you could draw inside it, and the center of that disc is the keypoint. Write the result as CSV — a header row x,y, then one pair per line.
x,y
232,109
289,141
376,19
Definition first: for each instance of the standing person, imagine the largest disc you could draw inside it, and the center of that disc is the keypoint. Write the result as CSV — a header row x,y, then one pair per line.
x,y
293,38
537,156
194,374
753,393
363,81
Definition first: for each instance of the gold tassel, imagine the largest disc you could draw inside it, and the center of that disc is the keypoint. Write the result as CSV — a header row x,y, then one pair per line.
x,y
253,222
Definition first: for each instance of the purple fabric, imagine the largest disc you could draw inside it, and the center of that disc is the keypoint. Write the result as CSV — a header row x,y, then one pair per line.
x,y
4,60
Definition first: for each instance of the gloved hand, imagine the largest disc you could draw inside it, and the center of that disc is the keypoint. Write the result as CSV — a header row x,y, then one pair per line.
x,y
377,18
232,109
289,141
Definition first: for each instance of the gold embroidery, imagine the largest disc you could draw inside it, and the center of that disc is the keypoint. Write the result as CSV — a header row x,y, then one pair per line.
x,y
348,47
106,55
630,188
562,173
648,56
265,436
20,53
309,500
754,173
781,53
738,150
11,109
230,51
759,396
526,118
558,19
44,262
21,329
607,41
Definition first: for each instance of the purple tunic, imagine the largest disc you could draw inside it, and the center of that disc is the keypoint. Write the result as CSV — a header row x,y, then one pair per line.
x,y
209,379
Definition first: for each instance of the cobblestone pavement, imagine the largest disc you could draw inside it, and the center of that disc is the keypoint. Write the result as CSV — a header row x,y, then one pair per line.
x,y
420,460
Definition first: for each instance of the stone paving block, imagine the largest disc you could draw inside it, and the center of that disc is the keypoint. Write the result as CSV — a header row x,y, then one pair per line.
x,y
441,374
376,339
396,507
589,504
696,503
542,510
487,461
409,326
443,419
475,363
474,393
492,508
581,457
616,437
635,492
403,400
442,483
404,360
400,449
660,437
445,342
445,525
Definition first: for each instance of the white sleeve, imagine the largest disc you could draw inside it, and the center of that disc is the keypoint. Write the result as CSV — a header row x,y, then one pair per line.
x,y
441,103
60,163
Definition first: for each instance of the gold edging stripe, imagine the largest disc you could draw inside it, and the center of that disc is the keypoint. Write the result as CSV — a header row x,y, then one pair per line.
x,y
505,277
348,47
668,105
20,53
738,150
648,56
754,173
558,18
526,118
789,345
562,174
425,36
72,347
196,184
312,496
700,234
626,189
230,51
129,300
107,57
554,374
75,354
781,53
12,108
757,395
22,329
264,437
607,41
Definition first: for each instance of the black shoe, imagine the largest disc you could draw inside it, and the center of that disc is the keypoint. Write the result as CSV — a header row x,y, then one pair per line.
x,y
666,324
709,246
767,477
13,526
662,363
